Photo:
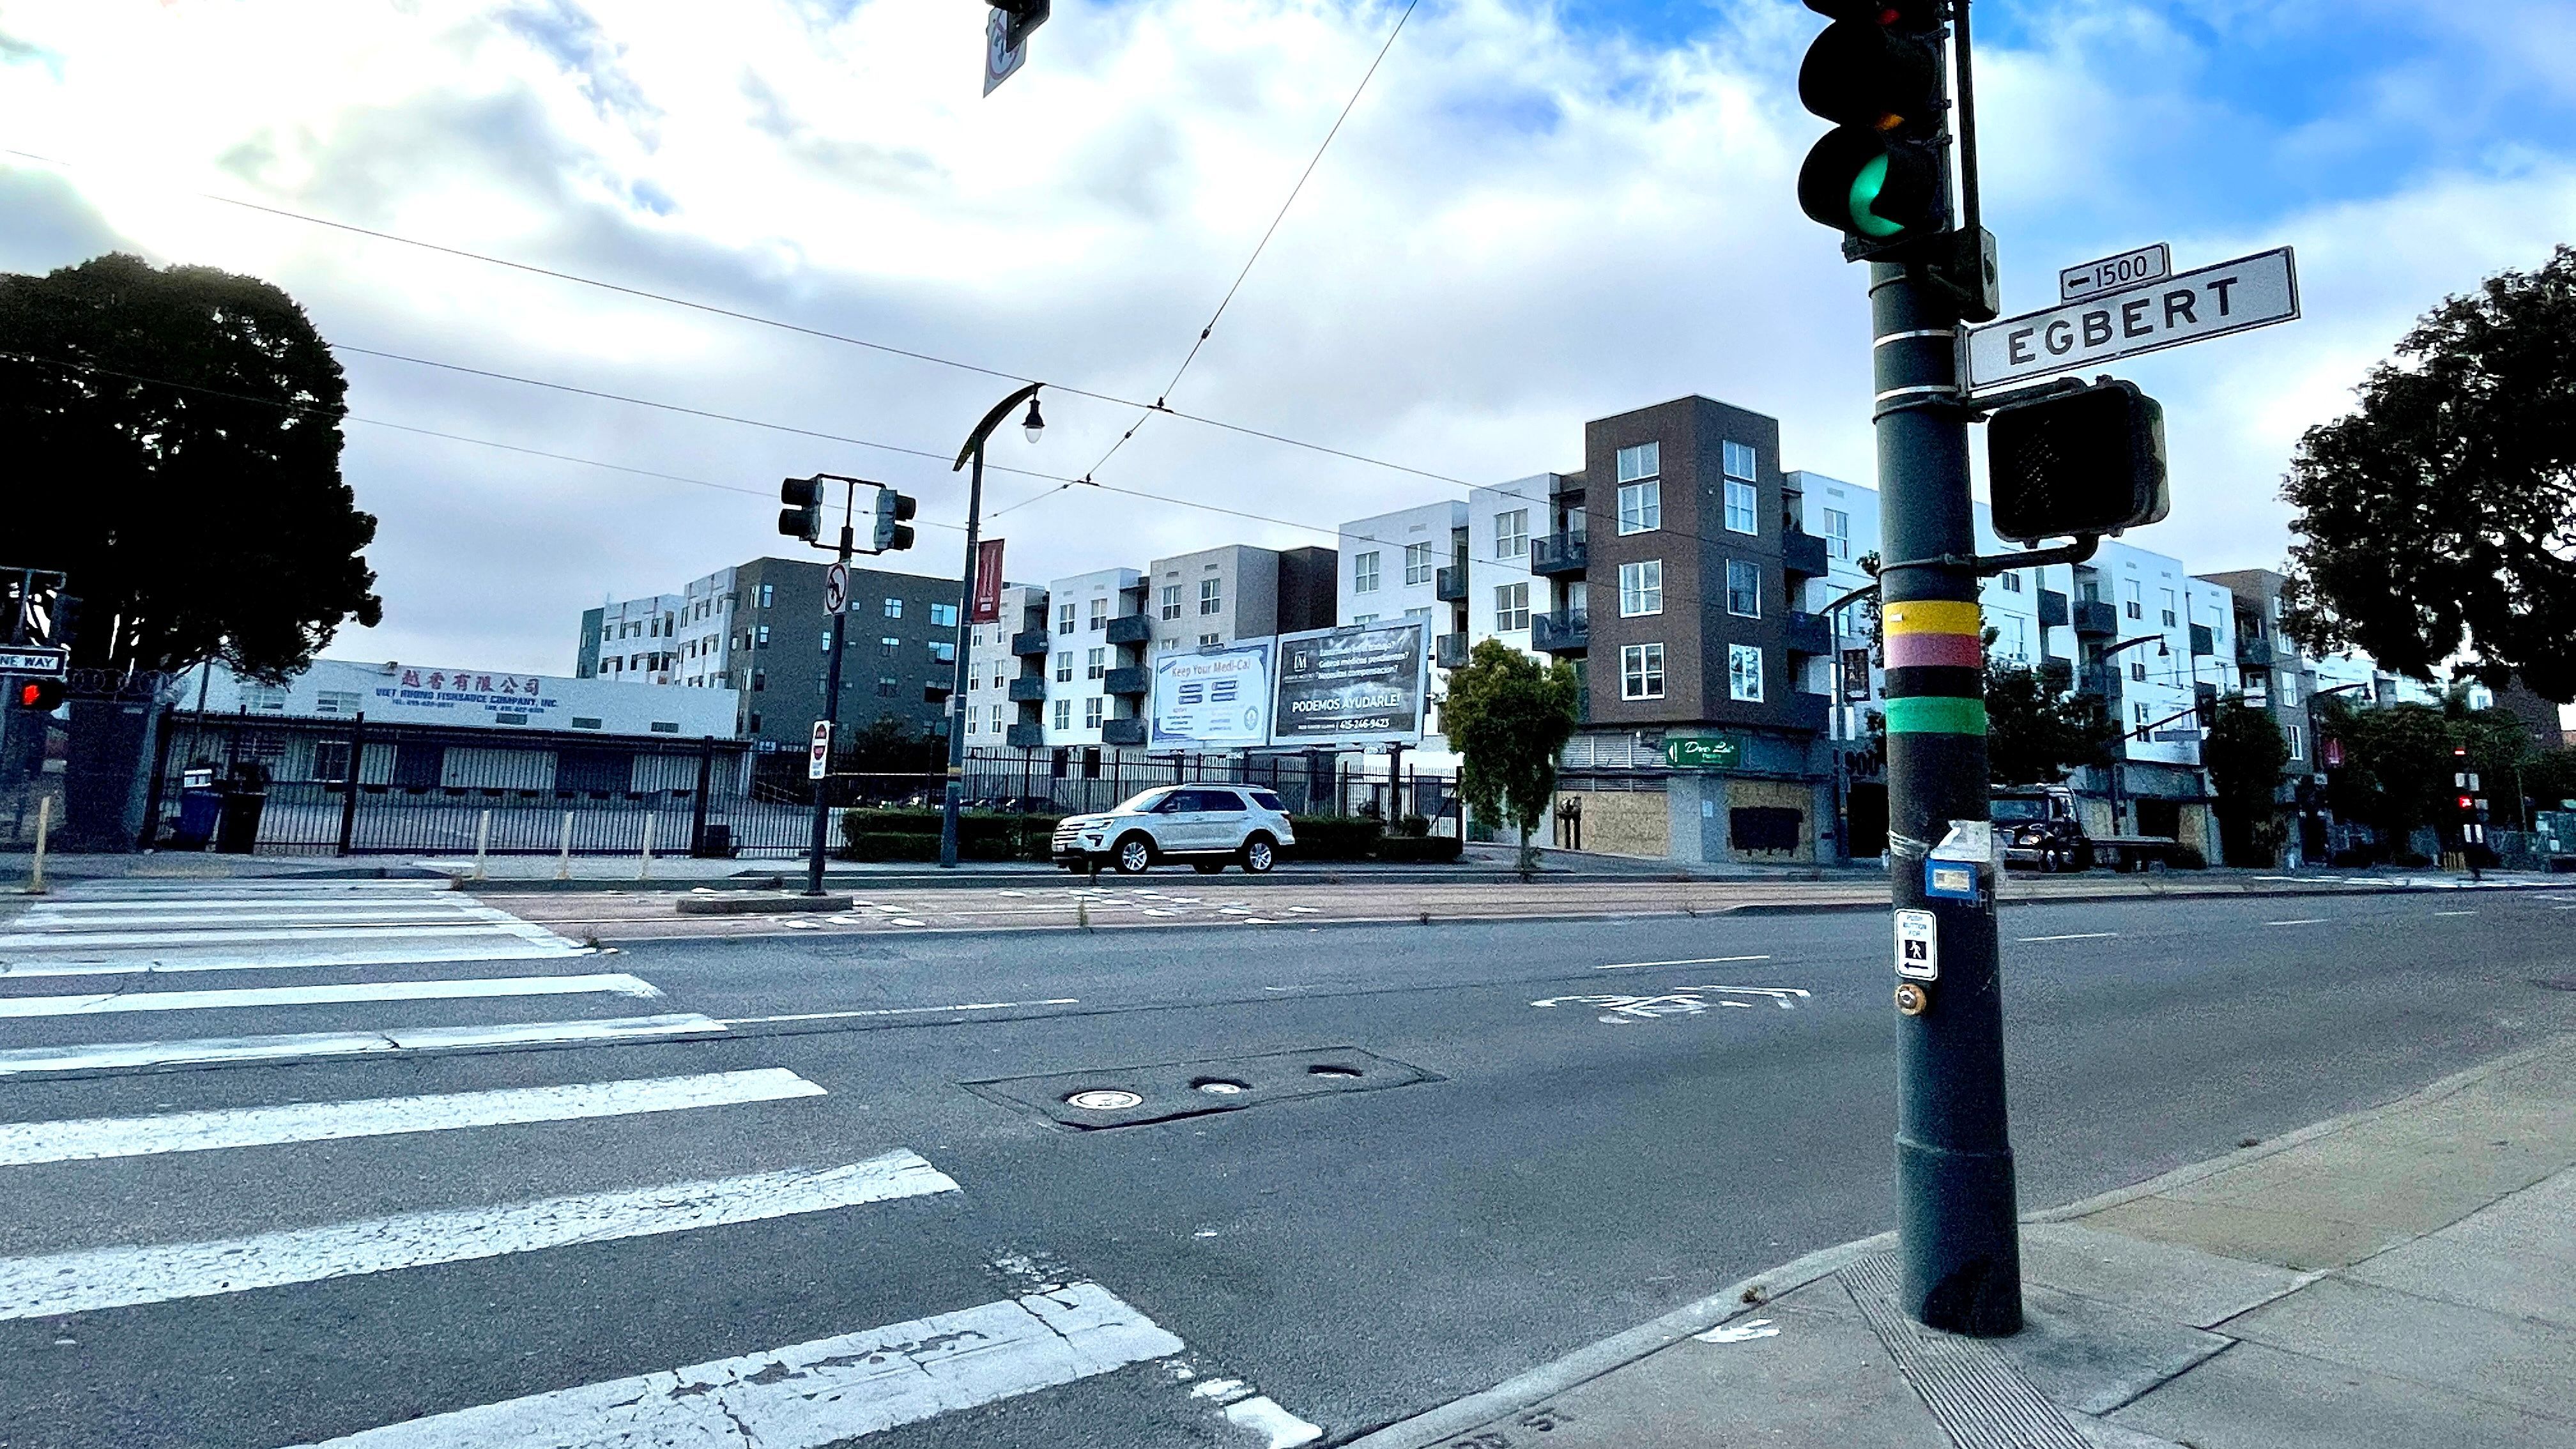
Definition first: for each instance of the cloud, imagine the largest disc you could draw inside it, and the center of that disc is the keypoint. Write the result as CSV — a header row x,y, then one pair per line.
x,y
1531,220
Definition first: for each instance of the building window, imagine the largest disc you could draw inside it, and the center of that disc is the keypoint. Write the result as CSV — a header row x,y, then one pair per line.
x,y
1641,671
889,645
1099,615
2012,581
759,680
1743,588
1212,591
1641,506
753,725
894,608
2138,673
885,686
1091,713
1837,533
1641,588
1740,500
1739,461
1363,575
1511,534
1511,608
2133,606
1210,640
768,595
944,650
943,616
1064,618
1064,667
1419,563
1064,714
2170,618
2298,738
1645,460
762,638
1171,601
1095,664
1744,672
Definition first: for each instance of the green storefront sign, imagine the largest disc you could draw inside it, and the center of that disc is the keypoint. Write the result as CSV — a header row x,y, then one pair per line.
x,y
1714,752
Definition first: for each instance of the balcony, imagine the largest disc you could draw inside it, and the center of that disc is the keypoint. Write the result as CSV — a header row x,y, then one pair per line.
x,y
1560,554
1449,585
1130,681
1567,631
2057,674
2094,618
2052,609
1130,732
1802,554
1028,642
1806,711
1449,650
2256,653
1029,689
2203,643
1131,629
1025,737
1807,634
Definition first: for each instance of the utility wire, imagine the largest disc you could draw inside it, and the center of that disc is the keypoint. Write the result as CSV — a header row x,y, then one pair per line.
x,y
758,319
1162,399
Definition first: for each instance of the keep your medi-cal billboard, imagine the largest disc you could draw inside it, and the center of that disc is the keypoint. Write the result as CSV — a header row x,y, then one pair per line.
x,y
1351,685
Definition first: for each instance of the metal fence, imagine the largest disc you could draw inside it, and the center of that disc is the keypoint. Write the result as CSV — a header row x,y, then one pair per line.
x,y
349,786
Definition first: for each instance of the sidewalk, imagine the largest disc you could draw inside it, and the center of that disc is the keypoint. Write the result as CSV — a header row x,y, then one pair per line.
x,y
2404,1277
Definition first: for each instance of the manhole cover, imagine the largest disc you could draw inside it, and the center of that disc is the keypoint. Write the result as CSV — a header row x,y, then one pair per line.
x,y
1218,1086
1104,1099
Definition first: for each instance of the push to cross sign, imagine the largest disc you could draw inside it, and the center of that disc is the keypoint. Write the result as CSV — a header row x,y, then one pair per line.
x,y
2231,297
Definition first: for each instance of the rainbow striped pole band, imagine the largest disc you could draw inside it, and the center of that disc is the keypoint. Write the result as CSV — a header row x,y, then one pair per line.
x,y
1935,634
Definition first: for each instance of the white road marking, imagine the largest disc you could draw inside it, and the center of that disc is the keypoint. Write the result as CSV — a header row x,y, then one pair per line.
x,y
97,1137
120,1277
2455,913
18,1060
898,1011
1261,1415
909,921
615,983
818,1393
235,936
1744,1332
2302,921
1259,921
389,953
1680,1001
2076,936
1151,911
1694,961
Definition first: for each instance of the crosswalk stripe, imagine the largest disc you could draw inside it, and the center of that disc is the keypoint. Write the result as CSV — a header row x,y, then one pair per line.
x,y
122,1277
427,915
17,1061
816,1393
238,935
615,983
399,952
89,1139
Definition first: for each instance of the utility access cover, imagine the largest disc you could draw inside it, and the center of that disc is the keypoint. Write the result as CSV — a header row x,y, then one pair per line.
x,y
1160,1092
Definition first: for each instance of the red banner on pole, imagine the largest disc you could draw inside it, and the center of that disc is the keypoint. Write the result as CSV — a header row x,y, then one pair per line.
x,y
988,583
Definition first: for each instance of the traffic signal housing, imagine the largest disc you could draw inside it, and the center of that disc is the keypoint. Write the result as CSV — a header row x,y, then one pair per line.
x,y
1881,177
43,696
1025,16
2084,462
893,533
803,515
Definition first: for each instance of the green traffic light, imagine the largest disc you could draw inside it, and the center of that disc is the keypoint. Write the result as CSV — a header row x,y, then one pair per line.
x,y
1866,188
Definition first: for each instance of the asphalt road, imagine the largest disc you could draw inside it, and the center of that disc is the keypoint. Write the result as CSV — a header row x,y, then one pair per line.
x,y
1556,1130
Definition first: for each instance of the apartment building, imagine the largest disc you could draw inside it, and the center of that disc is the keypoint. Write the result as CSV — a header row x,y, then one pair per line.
x,y
1414,564
1218,595
631,640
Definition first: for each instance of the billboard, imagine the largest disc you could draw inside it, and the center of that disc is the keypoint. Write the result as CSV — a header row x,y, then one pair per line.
x,y
1354,684
1217,698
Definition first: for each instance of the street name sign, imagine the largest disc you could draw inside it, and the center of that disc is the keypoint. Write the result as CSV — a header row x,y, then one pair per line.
x,y
41,660
2115,274
2195,306
818,761
836,588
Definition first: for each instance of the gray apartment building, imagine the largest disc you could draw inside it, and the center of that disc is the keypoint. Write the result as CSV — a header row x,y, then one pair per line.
x,y
759,628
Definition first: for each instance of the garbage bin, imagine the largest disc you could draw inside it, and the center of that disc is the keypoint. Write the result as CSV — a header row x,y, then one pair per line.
x,y
200,806
237,829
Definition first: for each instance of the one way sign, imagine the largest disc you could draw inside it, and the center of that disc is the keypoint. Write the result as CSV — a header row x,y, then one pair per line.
x,y
2231,297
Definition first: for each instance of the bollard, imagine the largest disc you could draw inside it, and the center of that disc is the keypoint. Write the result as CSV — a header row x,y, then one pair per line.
x,y
44,822
482,843
644,867
563,855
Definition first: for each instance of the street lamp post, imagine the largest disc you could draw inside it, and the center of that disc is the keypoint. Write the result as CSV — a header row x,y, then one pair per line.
x,y
1834,722
2121,752
972,453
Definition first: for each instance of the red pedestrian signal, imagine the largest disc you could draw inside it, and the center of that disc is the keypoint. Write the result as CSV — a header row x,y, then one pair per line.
x,y
41,695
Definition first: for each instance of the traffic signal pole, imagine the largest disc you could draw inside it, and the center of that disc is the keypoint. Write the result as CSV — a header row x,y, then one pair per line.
x,y
831,708
1956,1218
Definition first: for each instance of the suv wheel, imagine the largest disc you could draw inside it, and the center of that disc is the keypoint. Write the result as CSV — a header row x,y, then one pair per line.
x,y
1259,855
1134,854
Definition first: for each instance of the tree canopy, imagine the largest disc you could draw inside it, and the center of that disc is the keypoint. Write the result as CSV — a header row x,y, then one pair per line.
x,y
2035,736
2398,767
177,432
2439,520
2245,754
1509,716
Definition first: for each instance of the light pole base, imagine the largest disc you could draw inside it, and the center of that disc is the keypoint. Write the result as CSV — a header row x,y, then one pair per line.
x,y
1958,1240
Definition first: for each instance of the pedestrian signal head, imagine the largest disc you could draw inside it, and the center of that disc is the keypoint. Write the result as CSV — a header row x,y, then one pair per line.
x,y
2085,462
41,695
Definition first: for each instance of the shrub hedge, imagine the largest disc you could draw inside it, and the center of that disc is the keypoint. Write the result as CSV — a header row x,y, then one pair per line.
x,y
1420,850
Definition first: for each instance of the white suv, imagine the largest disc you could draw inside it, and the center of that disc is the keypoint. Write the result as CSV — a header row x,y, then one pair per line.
x,y
1206,825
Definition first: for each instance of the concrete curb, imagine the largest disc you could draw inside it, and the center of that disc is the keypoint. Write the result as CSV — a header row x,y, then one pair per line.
x,y
1431,1428
740,903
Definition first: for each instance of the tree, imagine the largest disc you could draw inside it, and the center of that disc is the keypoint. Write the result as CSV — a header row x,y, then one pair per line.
x,y
2440,519
198,514
1509,717
2398,771
2244,755
2034,736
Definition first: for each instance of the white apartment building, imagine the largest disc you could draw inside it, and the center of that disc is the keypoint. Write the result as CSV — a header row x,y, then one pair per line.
x,y
1006,689
1503,596
1416,563
1092,678
633,640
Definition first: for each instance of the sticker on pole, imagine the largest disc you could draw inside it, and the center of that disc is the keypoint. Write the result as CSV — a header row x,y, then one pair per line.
x,y
819,762
836,588
1918,946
